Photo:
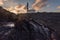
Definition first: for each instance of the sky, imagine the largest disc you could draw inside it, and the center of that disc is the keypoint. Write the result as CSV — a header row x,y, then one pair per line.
x,y
53,6
50,6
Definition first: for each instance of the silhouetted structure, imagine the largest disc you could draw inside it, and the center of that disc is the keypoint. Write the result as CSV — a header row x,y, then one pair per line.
x,y
30,10
27,6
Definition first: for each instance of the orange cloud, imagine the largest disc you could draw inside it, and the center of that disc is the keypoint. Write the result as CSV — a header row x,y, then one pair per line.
x,y
2,2
17,9
58,7
38,4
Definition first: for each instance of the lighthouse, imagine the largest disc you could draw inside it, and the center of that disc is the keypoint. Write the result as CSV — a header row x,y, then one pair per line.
x,y
30,10
27,6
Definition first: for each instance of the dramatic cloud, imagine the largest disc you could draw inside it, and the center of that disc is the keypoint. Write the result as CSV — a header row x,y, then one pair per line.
x,y
13,6
38,4
58,7
2,2
17,9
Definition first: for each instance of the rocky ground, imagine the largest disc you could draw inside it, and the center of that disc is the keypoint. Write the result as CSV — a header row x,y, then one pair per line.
x,y
49,19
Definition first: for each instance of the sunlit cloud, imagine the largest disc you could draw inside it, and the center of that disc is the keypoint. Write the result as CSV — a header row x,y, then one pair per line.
x,y
38,4
16,8
2,2
58,7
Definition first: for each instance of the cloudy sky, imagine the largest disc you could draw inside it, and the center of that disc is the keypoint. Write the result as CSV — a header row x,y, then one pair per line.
x,y
50,6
